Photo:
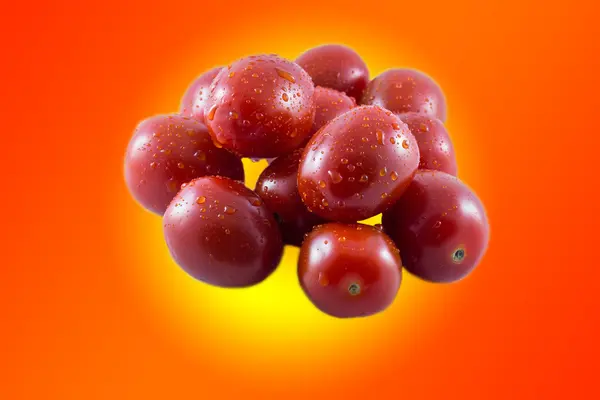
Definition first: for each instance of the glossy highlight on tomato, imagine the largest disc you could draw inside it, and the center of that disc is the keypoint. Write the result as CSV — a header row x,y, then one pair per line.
x,y
260,106
440,227
406,90
194,99
221,233
337,67
435,147
349,270
167,151
277,186
358,165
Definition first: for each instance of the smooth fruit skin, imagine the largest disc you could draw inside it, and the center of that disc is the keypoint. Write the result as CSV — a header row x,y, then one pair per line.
x,y
357,165
329,104
261,106
277,186
406,90
221,233
349,270
194,99
435,146
337,67
440,227
167,151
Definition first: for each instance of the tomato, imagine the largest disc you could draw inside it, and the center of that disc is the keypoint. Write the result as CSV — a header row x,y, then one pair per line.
x,y
221,233
167,151
277,186
337,67
406,90
260,107
357,165
435,146
194,99
349,270
440,227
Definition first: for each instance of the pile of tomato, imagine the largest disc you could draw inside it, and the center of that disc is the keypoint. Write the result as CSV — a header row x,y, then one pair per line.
x,y
342,148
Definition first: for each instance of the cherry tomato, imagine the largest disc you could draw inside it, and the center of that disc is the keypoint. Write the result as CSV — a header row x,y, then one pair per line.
x,y
357,165
221,233
277,186
167,151
329,104
194,99
261,106
435,146
440,227
337,67
406,90
349,270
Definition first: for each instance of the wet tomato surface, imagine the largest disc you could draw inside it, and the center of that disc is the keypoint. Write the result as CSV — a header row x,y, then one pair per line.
x,y
329,104
221,233
337,67
358,165
435,146
194,99
406,90
260,106
167,151
349,270
440,227
277,186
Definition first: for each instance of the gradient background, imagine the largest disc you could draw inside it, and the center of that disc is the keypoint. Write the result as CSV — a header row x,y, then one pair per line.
x,y
92,307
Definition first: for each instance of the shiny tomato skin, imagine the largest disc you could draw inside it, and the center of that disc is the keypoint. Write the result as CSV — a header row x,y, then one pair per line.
x,y
167,151
349,270
194,99
260,107
220,232
440,227
337,67
357,165
278,187
406,90
435,146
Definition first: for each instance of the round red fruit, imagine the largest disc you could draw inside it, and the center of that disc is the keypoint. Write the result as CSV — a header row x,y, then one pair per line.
x,y
435,146
349,270
440,227
329,104
406,90
357,165
167,151
221,233
194,99
277,186
337,67
260,106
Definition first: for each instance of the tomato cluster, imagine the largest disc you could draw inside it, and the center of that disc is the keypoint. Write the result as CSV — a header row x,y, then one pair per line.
x,y
342,149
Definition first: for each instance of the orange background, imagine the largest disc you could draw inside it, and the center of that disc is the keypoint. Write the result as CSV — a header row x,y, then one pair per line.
x,y
92,306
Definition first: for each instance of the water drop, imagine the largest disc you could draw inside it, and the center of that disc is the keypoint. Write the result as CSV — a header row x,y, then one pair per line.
x,y
229,210
394,175
344,161
180,165
405,144
285,97
200,155
364,178
379,136
201,200
322,184
285,75
383,171
233,115
335,176
211,113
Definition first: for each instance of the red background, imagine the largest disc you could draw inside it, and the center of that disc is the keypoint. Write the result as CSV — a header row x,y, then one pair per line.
x,y
93,308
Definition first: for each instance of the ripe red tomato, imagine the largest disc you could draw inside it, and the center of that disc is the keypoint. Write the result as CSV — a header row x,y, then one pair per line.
x,y
167,151
435,146
221,233
194,99
337,67
277,186
406,90
349,270
357,165
440,227
260,106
